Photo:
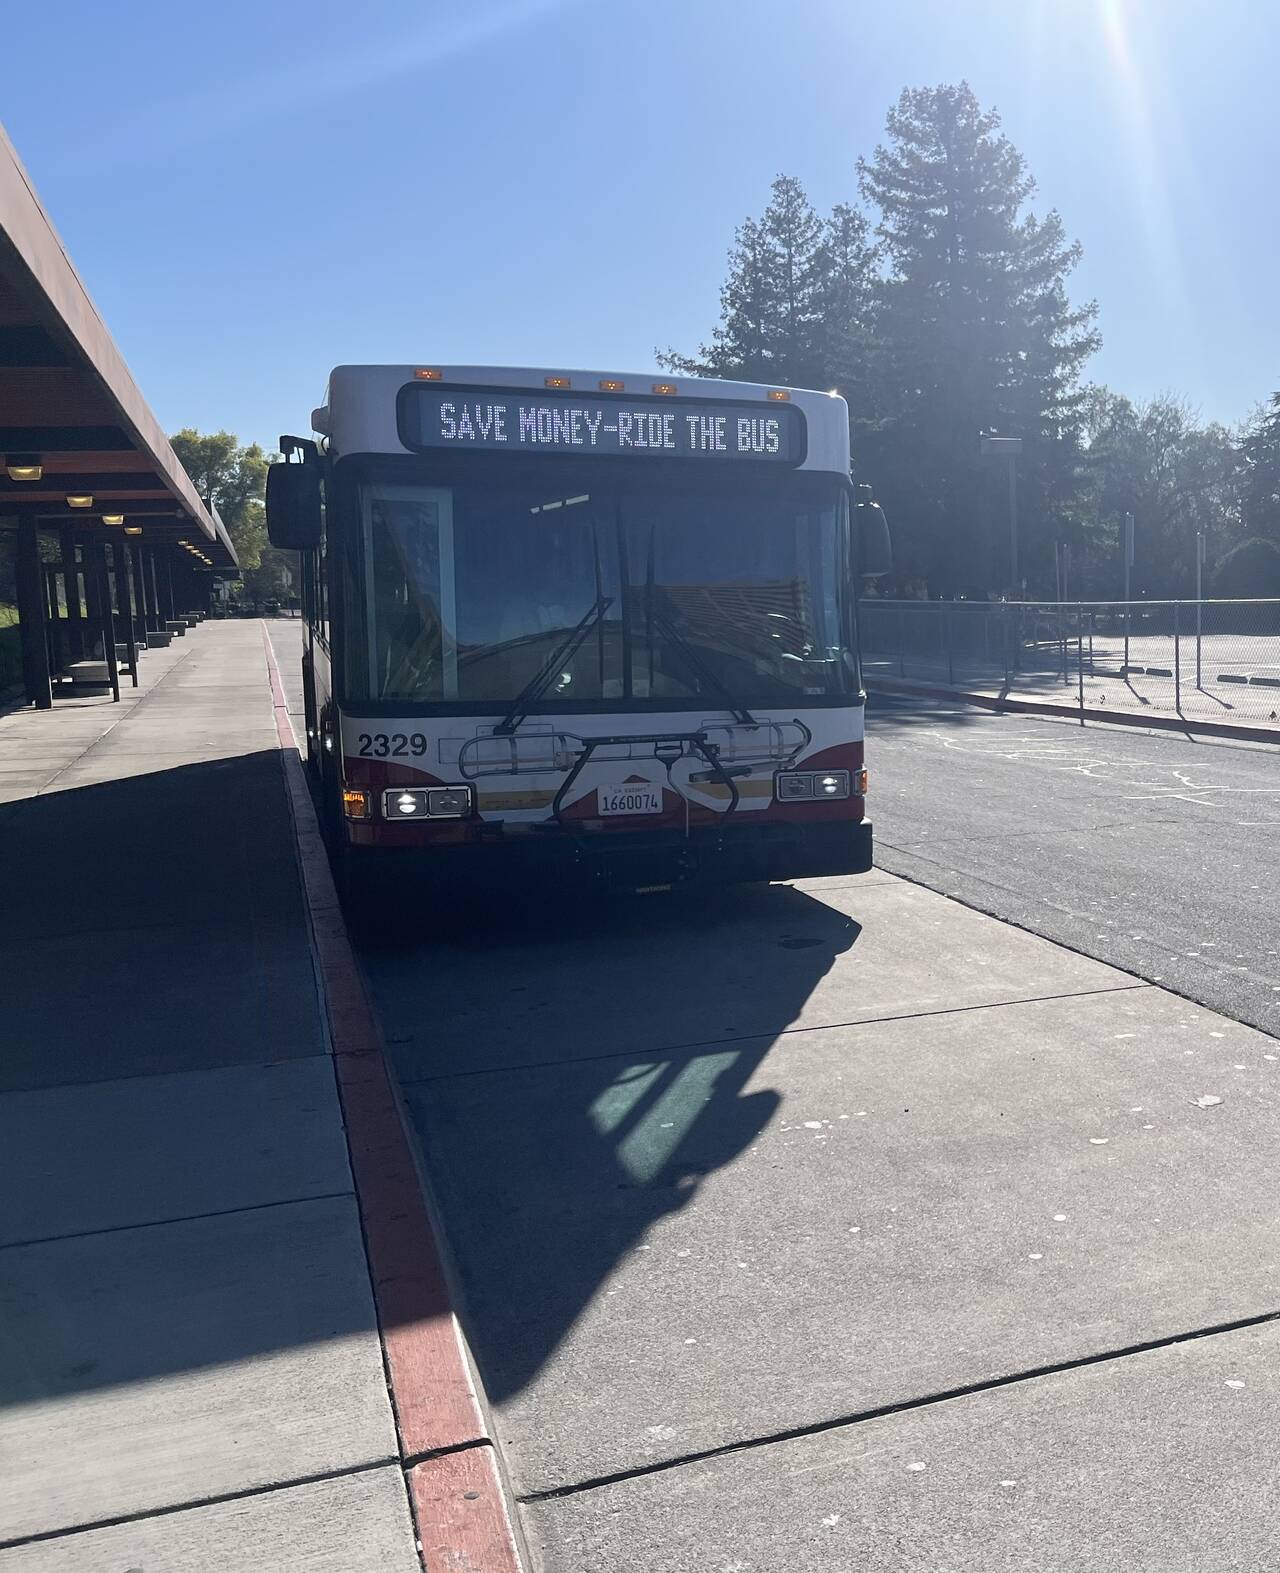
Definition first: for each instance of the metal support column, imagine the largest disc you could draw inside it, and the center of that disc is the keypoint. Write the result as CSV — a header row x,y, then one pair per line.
x,y
32,619
71,593
154,580
138,577
97,573
124,602
57,639
166,588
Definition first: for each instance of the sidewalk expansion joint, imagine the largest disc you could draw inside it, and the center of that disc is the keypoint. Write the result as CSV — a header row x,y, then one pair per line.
x,y
160,1223
710,1045
412,1460
170,1508
901,1407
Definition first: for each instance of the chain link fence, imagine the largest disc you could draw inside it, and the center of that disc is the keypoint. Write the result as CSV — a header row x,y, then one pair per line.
x,y
1202,660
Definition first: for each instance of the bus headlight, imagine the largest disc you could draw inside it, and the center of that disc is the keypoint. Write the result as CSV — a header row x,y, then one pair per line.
x,y
453,802
796,786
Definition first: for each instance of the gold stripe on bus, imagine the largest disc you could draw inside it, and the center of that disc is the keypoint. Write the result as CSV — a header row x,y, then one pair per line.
x,y
745,789
491,800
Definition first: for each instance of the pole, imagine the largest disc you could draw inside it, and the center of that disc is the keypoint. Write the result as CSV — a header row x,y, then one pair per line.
x,y
1013,519
157,622
126,607
71,585
134,555
1080,659
96,573
1057,585
1199,597
1177,659
32,632
1128,564
57,652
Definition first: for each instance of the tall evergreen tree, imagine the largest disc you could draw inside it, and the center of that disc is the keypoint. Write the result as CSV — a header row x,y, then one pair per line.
x,y
976,334
797,286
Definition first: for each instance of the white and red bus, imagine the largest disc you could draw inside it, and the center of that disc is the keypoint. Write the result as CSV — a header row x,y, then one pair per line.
x,y
577,620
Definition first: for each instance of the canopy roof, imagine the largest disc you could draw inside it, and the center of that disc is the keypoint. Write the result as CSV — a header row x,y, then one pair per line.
x,y
69,403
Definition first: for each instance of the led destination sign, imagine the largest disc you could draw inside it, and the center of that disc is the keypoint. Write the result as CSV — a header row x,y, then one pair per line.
x,y
474,420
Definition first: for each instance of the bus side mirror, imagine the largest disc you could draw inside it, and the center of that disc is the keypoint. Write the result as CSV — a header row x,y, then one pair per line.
x,y
874,544
293,506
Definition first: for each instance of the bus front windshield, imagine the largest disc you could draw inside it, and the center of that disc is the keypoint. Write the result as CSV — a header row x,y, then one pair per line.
x,y
464,593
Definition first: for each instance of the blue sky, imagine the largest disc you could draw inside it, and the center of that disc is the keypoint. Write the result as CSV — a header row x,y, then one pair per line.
x,y
255,192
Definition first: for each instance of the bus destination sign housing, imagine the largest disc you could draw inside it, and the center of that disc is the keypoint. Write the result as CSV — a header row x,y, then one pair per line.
x,y
492,420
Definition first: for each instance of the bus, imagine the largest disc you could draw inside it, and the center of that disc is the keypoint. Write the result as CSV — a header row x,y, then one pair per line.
x,y
564,622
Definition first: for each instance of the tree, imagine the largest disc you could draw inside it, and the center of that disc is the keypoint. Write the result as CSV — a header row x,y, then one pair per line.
x,y
792,306
232,479
1176,477
1260,490
976,333
1249,571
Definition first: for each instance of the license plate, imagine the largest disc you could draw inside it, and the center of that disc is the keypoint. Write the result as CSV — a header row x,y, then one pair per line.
x,y
628,800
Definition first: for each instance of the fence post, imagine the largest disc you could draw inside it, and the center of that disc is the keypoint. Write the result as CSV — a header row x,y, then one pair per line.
x,y
1199,597
1004,642
902,641
951,654
1080,657
1177,658
1062,647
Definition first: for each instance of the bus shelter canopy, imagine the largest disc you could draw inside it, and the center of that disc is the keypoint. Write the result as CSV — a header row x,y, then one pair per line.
x,y
73,423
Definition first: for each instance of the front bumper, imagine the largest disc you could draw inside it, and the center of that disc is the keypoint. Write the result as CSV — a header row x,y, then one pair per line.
x,y
632,861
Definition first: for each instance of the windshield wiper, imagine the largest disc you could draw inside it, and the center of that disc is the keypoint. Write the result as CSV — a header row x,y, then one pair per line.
x,y
704,670
537,685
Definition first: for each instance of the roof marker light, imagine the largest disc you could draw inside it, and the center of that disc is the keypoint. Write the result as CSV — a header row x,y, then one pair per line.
x,y
429,374
133,529
113,518
669,388
24,467
79,500
556,382
612,385
779,395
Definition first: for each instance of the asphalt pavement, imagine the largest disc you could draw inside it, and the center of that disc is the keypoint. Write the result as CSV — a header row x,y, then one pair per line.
x,y
1157,853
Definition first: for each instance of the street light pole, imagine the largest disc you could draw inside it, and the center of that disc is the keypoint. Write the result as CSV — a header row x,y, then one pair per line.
x,y
1007,448
1128,564
1199,598
1013,512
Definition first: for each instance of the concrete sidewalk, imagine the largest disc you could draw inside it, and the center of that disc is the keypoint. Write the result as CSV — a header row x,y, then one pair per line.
x,y
852,1229
191,1375
1142,701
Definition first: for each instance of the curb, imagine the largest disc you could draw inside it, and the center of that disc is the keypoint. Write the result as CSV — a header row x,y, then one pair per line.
x,y
993,702
447,1455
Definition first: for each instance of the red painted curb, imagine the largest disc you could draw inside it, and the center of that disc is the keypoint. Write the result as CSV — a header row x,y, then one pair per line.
x,y
1159,723
460,1507
460,1496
